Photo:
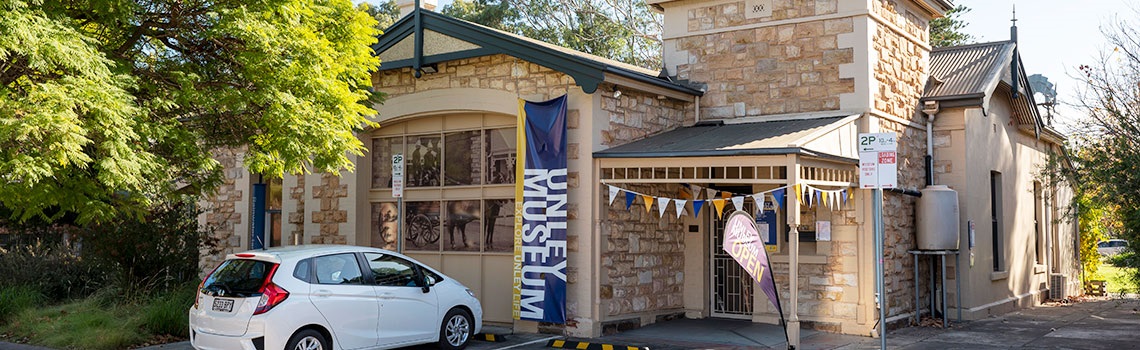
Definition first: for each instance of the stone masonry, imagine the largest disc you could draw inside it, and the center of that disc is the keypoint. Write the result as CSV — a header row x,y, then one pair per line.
x,y
789,68
643,257
330,193
901,69
221,212
636,115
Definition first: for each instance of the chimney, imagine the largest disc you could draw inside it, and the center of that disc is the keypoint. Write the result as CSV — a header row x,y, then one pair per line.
x,y
1013,73
406,6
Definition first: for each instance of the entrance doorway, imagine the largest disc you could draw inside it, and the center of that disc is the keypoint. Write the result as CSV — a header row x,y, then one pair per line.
x,y
732,287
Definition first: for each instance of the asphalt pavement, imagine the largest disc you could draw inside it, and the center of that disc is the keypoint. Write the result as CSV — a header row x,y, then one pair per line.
x,y
1104,323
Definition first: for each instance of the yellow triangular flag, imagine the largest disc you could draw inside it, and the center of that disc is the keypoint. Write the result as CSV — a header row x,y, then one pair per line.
x,y
719,204
823,194
799,194
648,202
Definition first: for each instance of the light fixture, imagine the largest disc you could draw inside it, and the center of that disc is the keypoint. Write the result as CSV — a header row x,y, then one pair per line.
x,y
617,93
430,69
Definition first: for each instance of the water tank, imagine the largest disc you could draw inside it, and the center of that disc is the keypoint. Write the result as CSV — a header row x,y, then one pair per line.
x,y
937,219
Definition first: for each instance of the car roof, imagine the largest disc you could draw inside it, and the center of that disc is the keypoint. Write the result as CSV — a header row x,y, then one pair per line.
x,y
278,254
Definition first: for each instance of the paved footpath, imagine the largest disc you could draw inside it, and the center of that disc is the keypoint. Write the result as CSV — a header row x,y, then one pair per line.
x,y
1107,323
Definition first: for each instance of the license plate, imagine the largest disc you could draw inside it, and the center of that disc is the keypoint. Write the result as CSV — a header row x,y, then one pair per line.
x,y
223,305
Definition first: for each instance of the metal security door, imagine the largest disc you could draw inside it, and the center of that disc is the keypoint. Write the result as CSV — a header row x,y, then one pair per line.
x,y
732,287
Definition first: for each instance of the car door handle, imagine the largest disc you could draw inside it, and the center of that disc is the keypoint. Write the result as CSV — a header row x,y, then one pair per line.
x,y
323,293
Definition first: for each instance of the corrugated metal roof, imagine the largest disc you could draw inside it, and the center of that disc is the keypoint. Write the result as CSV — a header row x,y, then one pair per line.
x,y
774,137
968,70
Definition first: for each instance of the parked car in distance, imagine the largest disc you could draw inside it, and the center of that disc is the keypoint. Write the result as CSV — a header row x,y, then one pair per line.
x,y
319,297
1111,247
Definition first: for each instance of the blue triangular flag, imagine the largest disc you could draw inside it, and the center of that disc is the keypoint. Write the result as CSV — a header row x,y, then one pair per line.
x,y
629,196
697,207
779,196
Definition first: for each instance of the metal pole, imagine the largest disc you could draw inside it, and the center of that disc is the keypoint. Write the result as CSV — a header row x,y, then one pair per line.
x,y
916,307
944,308
958,281
878,214
400,224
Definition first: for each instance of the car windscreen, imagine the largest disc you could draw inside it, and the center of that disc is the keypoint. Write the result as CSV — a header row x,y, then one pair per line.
x,y
239,278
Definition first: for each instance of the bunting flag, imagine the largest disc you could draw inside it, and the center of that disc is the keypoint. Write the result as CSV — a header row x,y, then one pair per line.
x,y
824,197
799,194
697,204
648,202
613,194
778,195
629,196
710,194
683,193
662,204
680,203
759,200
738,203
719,204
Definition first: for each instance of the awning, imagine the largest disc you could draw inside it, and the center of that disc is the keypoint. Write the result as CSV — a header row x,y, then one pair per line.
x,y
819,137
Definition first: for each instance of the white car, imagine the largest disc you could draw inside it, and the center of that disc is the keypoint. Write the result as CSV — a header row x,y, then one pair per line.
x,y
330,297
1111,247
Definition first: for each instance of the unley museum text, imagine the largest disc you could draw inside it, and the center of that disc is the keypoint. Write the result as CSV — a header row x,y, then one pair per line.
x,y
543,245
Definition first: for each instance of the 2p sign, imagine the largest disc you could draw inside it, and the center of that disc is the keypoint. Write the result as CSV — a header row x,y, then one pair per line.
x,y
397,175
878,160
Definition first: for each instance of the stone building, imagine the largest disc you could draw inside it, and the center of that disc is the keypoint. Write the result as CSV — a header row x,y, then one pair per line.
x,y
755,95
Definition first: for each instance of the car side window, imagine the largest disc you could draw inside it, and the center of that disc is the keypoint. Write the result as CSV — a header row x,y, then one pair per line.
x,y
301,272
391,271
338,269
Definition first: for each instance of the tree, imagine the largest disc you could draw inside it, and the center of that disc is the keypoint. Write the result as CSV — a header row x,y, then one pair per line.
x,y
385,14
947,31
1109,135
623,30
109,105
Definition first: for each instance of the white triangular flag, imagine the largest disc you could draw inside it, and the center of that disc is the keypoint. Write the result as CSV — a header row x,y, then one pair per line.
x,y
759,199
711,194
680,203
738,202
613,194
662,204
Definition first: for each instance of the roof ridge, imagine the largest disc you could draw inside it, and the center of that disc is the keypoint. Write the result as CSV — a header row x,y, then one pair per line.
x,y
971,46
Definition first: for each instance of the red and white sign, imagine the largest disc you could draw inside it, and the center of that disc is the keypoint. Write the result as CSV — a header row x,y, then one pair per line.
x,y
397,175
878,160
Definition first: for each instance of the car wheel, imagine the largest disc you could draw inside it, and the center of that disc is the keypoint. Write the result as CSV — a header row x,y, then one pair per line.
x,y
455,332
307,340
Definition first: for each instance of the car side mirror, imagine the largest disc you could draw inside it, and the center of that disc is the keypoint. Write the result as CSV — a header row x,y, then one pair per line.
x,y
425,289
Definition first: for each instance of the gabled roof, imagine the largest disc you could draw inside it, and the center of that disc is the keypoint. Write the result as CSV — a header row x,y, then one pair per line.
x,y
970,75
477,40
716,138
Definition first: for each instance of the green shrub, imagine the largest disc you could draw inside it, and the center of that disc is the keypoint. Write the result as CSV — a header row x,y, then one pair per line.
x,y
52,269
18,298
165,314
1124,259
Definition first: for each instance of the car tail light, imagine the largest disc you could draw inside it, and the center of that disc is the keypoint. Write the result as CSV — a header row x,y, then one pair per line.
x,y
198,292
271,294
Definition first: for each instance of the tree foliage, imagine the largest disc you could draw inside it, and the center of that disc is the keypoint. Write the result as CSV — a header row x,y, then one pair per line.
x,y
1109,135
385,13
623,30
947,31
107,105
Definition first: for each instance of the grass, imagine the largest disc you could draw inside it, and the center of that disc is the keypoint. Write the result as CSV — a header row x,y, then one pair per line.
x,y
100,322
1117,279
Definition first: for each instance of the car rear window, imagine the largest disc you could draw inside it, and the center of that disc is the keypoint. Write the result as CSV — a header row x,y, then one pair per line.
x,y
238,278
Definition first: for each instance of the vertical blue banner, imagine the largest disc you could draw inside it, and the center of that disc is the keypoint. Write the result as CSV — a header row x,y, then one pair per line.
x,y
257,219
540,213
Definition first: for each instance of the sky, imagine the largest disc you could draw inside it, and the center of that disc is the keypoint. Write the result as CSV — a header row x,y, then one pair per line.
x,y
1054,36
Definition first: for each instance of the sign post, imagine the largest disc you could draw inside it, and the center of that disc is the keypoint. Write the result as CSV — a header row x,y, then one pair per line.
x,y
878,169
398,193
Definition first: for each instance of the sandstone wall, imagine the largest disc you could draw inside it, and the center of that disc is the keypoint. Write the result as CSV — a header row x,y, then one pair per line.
x,y
226,209
787,68
643,257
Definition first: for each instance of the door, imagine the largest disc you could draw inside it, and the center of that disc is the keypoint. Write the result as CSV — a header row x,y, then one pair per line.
x,y
407,313
350,306
732,287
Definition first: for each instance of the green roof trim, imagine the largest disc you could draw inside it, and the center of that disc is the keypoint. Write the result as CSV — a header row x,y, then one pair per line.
x,y
587,73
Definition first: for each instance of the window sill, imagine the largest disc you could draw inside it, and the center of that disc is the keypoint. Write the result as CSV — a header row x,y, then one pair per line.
x,y
1038,269
999,275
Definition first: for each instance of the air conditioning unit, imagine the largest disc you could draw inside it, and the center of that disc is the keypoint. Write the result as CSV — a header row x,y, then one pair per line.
x,y
1058,285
